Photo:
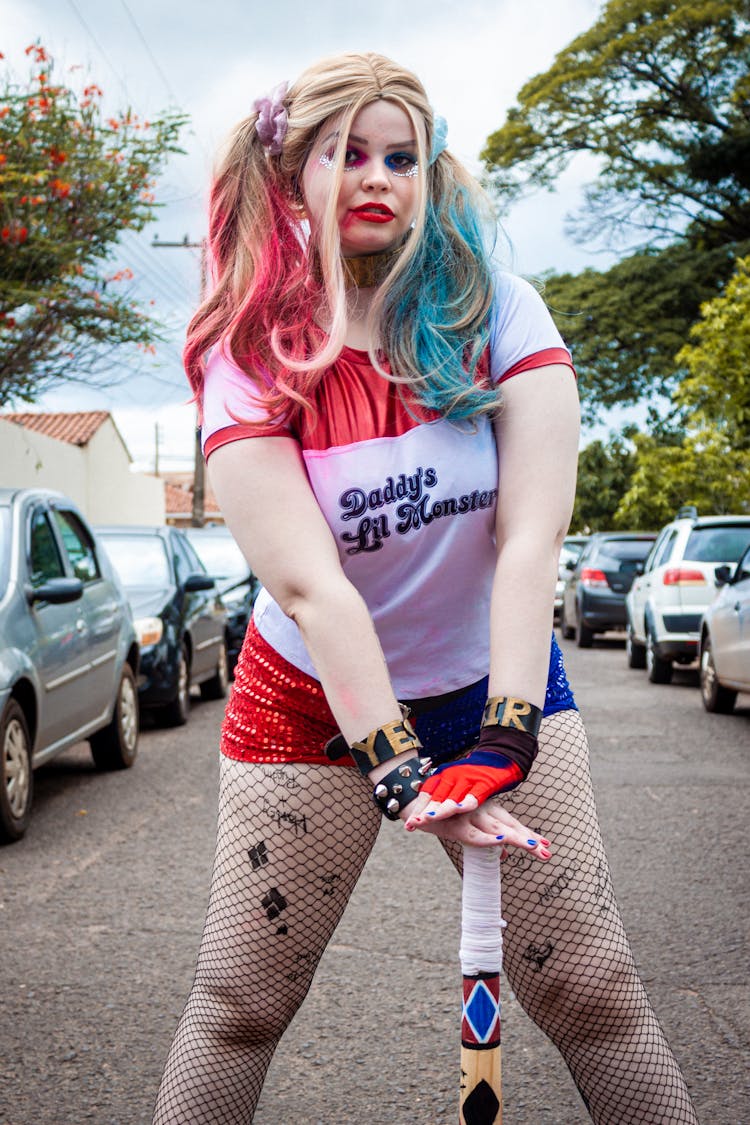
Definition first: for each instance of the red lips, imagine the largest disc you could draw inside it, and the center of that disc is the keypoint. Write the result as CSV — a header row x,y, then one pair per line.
x,y
374,213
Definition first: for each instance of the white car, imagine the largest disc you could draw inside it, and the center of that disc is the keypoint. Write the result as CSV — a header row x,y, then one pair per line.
x,y
667,601
725,640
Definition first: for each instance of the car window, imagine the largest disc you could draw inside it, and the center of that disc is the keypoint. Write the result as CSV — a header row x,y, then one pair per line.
x,y
185,559
5,547
78,545
717,544
45,561
141,561
222,557
616,551
743,567
664,551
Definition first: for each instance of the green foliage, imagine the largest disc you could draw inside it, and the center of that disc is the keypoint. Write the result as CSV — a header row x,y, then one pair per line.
x,y
704,470
716,391
658,92
604,474
70,183
625,326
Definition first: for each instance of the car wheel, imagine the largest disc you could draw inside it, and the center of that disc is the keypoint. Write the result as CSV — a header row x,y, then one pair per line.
x,y
567,630
634,651
658,669
218,685
115,746
714,696
175,714
584,636
16,774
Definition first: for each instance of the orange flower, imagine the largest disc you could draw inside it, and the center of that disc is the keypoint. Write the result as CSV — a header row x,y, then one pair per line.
x,y
3,158
113,123
60,188
92,92
4,109
5,234
57,156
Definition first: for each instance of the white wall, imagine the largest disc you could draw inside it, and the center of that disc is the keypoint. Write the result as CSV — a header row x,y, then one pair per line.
x,y
97,477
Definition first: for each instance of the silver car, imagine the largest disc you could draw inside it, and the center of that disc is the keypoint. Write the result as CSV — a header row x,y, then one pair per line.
x,y
68,650
725,639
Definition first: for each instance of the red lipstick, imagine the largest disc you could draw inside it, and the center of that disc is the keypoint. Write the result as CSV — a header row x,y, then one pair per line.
x,y
373,213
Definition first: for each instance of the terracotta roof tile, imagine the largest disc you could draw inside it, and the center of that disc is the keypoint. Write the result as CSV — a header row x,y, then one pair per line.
x,y
75,428
178,499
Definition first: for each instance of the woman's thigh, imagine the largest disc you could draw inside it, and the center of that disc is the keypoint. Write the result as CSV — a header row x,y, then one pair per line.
x,y
292,841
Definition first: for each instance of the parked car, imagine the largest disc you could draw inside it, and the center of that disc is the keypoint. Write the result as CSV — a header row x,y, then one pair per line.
x,y
678,583
68,649
569,553
235,581
724,652
594,595
180,620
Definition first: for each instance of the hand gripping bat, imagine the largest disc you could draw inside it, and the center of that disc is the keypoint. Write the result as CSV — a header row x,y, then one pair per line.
x,y
481,957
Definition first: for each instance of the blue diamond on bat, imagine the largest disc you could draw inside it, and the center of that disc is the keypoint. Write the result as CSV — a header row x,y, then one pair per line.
x,y
481,1011
482,1105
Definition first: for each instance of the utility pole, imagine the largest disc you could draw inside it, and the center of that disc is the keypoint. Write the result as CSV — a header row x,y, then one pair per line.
x,y
199,476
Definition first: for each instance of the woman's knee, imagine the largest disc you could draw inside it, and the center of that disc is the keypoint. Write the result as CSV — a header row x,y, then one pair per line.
x,y
597,994
238,1017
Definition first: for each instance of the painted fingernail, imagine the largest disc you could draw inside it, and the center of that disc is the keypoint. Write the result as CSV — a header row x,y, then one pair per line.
x,y
499,837
543,841
531,843
430,814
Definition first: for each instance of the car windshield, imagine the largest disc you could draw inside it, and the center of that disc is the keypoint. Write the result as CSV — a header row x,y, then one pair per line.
x,y
140,561
723,544
623,550
221,556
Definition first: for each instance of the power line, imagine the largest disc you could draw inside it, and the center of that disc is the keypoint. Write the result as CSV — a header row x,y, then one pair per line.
x,y
150,53
100,49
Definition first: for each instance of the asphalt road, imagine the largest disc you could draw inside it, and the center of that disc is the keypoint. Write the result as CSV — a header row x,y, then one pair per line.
x,y
101,908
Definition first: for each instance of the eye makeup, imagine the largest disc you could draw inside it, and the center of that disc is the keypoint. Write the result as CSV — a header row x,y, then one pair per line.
x,y
397,163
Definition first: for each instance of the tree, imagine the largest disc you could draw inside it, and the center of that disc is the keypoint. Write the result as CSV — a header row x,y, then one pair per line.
x,y
626,326
70,182
604,474
658,91
703,470
716,391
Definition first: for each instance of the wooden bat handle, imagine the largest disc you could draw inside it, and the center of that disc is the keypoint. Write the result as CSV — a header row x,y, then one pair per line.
x,y
481,960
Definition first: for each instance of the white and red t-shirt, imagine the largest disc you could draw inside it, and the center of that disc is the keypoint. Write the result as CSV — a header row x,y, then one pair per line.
x,y
411,503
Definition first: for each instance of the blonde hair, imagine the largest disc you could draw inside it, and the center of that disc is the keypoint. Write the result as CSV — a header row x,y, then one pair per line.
x,y
270,275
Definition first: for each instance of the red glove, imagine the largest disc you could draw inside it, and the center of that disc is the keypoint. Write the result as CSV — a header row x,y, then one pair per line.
x,y
499,762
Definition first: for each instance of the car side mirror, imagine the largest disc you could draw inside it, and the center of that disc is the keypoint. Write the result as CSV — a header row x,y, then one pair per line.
x,y
570,564
57,591
197,582
722,574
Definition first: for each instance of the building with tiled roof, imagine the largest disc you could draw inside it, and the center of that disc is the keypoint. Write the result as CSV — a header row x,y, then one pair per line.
x,y
81,454
77,427
178,500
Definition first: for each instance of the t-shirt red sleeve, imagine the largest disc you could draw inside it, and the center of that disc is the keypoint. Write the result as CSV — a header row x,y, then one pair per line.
x,y
522,332
233,406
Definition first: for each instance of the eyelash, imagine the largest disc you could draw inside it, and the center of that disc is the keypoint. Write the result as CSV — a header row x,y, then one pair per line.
x,y
327,159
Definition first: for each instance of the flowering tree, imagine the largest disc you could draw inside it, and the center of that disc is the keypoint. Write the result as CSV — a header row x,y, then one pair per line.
x,y
71,180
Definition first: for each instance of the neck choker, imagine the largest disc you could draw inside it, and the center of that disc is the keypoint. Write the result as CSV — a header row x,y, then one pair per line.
x,y
370,269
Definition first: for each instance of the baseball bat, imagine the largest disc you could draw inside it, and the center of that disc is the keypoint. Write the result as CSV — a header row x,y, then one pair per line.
x,y
481,957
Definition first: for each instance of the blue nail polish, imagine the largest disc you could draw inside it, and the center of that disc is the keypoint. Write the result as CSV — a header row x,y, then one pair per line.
x,y
531,843
499,837
430,814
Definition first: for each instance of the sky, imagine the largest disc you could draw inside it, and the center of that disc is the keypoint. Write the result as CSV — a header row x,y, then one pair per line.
x,y
212,60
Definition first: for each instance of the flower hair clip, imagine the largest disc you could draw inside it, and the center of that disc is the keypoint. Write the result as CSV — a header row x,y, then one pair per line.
x,y
273,120
439,137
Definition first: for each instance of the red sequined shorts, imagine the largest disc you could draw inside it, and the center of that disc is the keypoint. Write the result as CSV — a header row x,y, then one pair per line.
x,y
275,713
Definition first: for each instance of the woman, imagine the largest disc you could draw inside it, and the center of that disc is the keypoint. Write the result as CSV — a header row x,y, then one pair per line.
x,y
391,427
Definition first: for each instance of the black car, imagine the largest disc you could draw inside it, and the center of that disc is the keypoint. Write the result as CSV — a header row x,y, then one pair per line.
x,y
594,595
179,617
235,581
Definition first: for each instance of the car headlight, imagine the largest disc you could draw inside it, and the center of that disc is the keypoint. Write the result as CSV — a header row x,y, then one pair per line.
x,y
149,630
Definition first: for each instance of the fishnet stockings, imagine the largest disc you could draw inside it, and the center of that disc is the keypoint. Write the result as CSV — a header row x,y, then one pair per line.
x,y
292,842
